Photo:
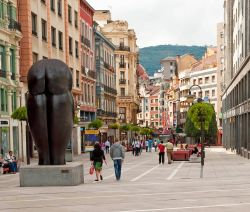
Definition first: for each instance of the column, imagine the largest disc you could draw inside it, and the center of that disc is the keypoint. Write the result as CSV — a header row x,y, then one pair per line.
x,y
17,64
8,73
9,96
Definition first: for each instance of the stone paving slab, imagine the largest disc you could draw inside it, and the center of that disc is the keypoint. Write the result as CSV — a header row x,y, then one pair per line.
x,y
145,186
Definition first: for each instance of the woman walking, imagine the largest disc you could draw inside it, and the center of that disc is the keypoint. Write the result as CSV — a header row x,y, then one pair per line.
x,y
97,159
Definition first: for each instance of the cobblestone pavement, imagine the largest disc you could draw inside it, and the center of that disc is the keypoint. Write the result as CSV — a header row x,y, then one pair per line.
x,y
145,186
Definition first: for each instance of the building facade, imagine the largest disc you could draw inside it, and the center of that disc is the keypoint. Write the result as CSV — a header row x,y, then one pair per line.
x,y
51,29
10,87
236,97
88,72
106,80
126,58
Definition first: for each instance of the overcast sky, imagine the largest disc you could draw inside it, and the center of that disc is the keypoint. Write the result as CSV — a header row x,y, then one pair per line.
x,y
188,22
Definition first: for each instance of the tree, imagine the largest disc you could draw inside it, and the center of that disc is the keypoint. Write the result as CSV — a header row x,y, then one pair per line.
x,y
197,113
114,126
96,124
20,114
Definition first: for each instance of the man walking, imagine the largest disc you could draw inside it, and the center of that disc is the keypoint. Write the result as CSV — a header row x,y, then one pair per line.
x,y
161,148
117,154
146,145
170,148
107,146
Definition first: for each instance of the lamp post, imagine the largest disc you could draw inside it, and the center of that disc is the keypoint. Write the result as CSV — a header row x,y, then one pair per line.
x,y
190,99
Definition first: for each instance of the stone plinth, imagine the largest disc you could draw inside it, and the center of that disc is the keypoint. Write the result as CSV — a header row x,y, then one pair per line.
x,y
70,174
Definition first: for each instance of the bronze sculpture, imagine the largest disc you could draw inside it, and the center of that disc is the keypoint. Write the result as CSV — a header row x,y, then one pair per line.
x,y
50,109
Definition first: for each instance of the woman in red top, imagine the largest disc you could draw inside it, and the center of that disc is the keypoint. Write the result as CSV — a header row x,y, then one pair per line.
x,y
161,148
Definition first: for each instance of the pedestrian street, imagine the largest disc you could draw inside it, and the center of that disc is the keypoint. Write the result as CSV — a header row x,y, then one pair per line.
x,y
144,186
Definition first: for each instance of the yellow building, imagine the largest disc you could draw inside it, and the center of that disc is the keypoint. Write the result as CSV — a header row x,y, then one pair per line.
x,y
126,57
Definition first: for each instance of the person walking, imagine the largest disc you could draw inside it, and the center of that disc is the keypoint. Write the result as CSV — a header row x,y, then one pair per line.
x,y
161,148
137,147
155,145
146,145
107,146
170,148
117,154
97,159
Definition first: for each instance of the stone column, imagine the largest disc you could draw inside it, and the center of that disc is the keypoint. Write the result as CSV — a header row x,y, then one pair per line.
x,y
9,94
8,73
17,64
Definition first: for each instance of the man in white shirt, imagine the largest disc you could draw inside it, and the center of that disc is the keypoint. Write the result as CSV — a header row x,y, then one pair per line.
x,y
170,148
107,146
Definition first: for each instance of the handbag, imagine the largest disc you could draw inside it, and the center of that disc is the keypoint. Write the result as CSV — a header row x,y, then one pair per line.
x,y
91,170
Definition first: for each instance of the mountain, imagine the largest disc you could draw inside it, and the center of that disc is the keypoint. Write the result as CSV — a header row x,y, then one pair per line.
x,y
150,56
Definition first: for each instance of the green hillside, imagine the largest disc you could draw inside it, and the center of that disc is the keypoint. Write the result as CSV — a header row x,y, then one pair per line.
x,y
150,56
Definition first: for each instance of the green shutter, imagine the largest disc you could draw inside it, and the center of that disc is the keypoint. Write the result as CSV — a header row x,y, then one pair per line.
x,y
14,107
2,99
12,61
6,101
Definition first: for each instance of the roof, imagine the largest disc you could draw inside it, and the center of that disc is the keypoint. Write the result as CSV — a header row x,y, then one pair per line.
x,y
205,63
169,58
142,73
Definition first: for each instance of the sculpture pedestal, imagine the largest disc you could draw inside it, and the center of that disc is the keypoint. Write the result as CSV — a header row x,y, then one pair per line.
x,y
70,174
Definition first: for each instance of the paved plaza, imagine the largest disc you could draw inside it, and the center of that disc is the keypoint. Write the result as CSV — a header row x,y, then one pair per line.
x,y
145,186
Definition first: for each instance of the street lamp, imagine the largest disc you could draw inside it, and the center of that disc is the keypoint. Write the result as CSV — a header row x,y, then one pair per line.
x,y
190,99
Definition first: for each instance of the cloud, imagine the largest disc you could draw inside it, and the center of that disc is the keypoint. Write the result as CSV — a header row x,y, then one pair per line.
x,y
189,22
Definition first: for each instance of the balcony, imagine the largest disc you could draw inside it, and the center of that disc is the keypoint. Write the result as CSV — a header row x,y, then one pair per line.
x,y
86,42
2,73
101,112
13,76
92,74
125,99
122,65
123,48
109,67
110,90
122,81
14,25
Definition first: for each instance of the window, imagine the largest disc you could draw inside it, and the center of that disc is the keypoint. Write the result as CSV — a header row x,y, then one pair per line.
x,y
156,108
194,82
53,36
34,23
213,92
52,5
43,1
122,91
156,116
70,46
44,30
2,61
76,49
122,75
213,79
152,101
152,108
206,80
12,64
200,80
147,108
207,93
69,14
59,7
4,102
60,40
156,100
34,57
76,19
77,79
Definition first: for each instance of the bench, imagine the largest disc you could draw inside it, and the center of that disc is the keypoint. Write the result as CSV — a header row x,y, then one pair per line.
x,y
178,155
